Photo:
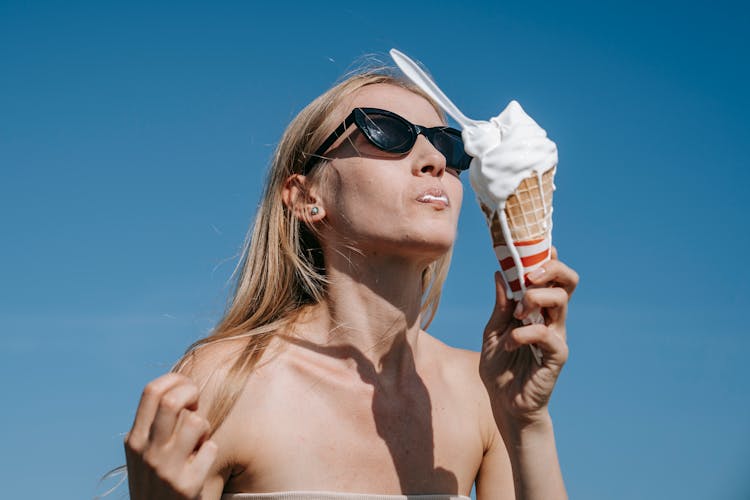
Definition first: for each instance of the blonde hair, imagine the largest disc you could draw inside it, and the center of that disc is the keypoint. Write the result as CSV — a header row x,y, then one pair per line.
x,y
281,265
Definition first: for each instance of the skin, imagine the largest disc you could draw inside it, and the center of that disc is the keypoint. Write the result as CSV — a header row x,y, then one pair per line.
x,y
357,398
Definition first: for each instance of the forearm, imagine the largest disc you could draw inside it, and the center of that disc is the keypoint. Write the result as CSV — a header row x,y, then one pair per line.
x,y
533,457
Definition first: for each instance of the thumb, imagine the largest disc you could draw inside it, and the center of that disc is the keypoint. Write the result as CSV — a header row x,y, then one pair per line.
x,y
503,312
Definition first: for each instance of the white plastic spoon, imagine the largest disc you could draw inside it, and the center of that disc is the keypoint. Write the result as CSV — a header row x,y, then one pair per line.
x,y
424,82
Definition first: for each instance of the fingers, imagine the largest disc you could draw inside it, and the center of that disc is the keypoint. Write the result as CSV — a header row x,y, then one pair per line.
x,y
192,477
184,395
168,451
554,346
501,299
503,311
190,430
201,464
148,406
555,273
554,301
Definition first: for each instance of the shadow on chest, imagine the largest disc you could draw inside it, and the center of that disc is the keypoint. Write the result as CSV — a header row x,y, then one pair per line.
x,y
373,424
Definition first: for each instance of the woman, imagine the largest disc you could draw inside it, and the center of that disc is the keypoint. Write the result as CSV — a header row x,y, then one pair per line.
x,y
320,376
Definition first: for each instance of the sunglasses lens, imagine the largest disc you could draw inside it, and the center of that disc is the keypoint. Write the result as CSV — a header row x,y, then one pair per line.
x,y
393,134
388,133
449,143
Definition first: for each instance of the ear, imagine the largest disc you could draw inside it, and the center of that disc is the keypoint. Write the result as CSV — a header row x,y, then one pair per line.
x,y
299,197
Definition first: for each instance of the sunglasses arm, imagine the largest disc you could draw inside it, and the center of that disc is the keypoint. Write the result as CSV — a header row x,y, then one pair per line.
x,y
328,143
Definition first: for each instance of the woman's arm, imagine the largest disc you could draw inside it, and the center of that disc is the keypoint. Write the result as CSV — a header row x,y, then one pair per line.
x,y
519,389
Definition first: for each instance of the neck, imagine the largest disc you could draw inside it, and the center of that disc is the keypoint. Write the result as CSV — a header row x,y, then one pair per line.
x,y
372,306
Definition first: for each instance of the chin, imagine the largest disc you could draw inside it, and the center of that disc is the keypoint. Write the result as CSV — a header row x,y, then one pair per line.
x,y
429,248
426,243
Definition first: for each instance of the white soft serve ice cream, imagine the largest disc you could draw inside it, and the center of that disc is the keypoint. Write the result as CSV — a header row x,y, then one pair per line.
x,y
506,150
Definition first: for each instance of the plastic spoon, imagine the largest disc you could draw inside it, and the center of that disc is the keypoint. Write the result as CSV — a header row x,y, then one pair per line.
x,y
417,75
424,82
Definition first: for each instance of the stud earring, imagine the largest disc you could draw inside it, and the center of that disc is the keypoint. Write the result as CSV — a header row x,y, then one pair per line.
x,y
314,211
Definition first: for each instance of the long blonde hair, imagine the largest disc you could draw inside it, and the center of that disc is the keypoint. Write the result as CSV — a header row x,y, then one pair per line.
x,y
281,265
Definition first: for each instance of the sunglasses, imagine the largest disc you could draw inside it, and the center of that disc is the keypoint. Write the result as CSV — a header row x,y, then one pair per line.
x,y
392,133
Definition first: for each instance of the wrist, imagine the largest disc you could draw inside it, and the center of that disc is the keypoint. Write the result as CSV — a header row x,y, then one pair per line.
x,y
520,430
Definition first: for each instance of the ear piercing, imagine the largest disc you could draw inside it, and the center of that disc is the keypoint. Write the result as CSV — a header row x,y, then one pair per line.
x,y
314,211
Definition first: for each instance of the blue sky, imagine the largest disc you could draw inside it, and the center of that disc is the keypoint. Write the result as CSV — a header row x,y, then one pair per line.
x,y
134,138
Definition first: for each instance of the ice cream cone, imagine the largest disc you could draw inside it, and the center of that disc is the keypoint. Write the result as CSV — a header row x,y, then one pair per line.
x,y
512,172
528,213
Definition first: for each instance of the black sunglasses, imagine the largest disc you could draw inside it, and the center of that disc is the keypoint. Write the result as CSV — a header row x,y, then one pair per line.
x,y
392,133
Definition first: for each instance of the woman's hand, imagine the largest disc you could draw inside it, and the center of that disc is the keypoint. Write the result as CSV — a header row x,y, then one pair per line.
x,y
167,450
518,387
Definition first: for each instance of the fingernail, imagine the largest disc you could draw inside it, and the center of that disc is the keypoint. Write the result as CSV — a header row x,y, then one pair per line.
x,y
518,310
537,273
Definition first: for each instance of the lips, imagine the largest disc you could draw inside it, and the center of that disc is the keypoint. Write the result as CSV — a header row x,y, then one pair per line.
x,y
435,196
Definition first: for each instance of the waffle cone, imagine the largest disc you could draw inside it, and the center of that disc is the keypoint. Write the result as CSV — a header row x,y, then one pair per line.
x,y
528,214
528,211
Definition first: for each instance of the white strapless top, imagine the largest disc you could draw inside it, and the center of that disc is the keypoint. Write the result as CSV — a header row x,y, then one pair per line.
x,y
330,495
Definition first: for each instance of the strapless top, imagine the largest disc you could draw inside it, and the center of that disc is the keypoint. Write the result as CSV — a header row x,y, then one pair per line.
x,y
330,495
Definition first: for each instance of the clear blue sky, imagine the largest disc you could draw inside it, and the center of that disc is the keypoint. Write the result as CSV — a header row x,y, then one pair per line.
x,y
134,137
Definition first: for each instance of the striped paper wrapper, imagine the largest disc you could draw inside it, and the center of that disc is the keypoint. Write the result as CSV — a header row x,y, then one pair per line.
x,y
528,214
533,254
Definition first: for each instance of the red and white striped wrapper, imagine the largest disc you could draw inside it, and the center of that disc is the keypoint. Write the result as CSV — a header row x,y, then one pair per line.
x,y
533,254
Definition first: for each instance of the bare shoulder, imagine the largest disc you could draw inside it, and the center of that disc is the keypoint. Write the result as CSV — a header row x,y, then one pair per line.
x,y
210,368
461,365
223,371
459,368
209,364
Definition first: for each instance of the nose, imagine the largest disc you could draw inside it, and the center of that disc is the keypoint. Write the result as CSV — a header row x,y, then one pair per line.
x,y
428,160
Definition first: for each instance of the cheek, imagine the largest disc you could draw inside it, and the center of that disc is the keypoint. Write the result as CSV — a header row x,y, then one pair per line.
x,y
460,192
456,192
371,192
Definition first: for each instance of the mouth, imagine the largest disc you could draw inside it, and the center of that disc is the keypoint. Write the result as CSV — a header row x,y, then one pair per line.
x,y
435,197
